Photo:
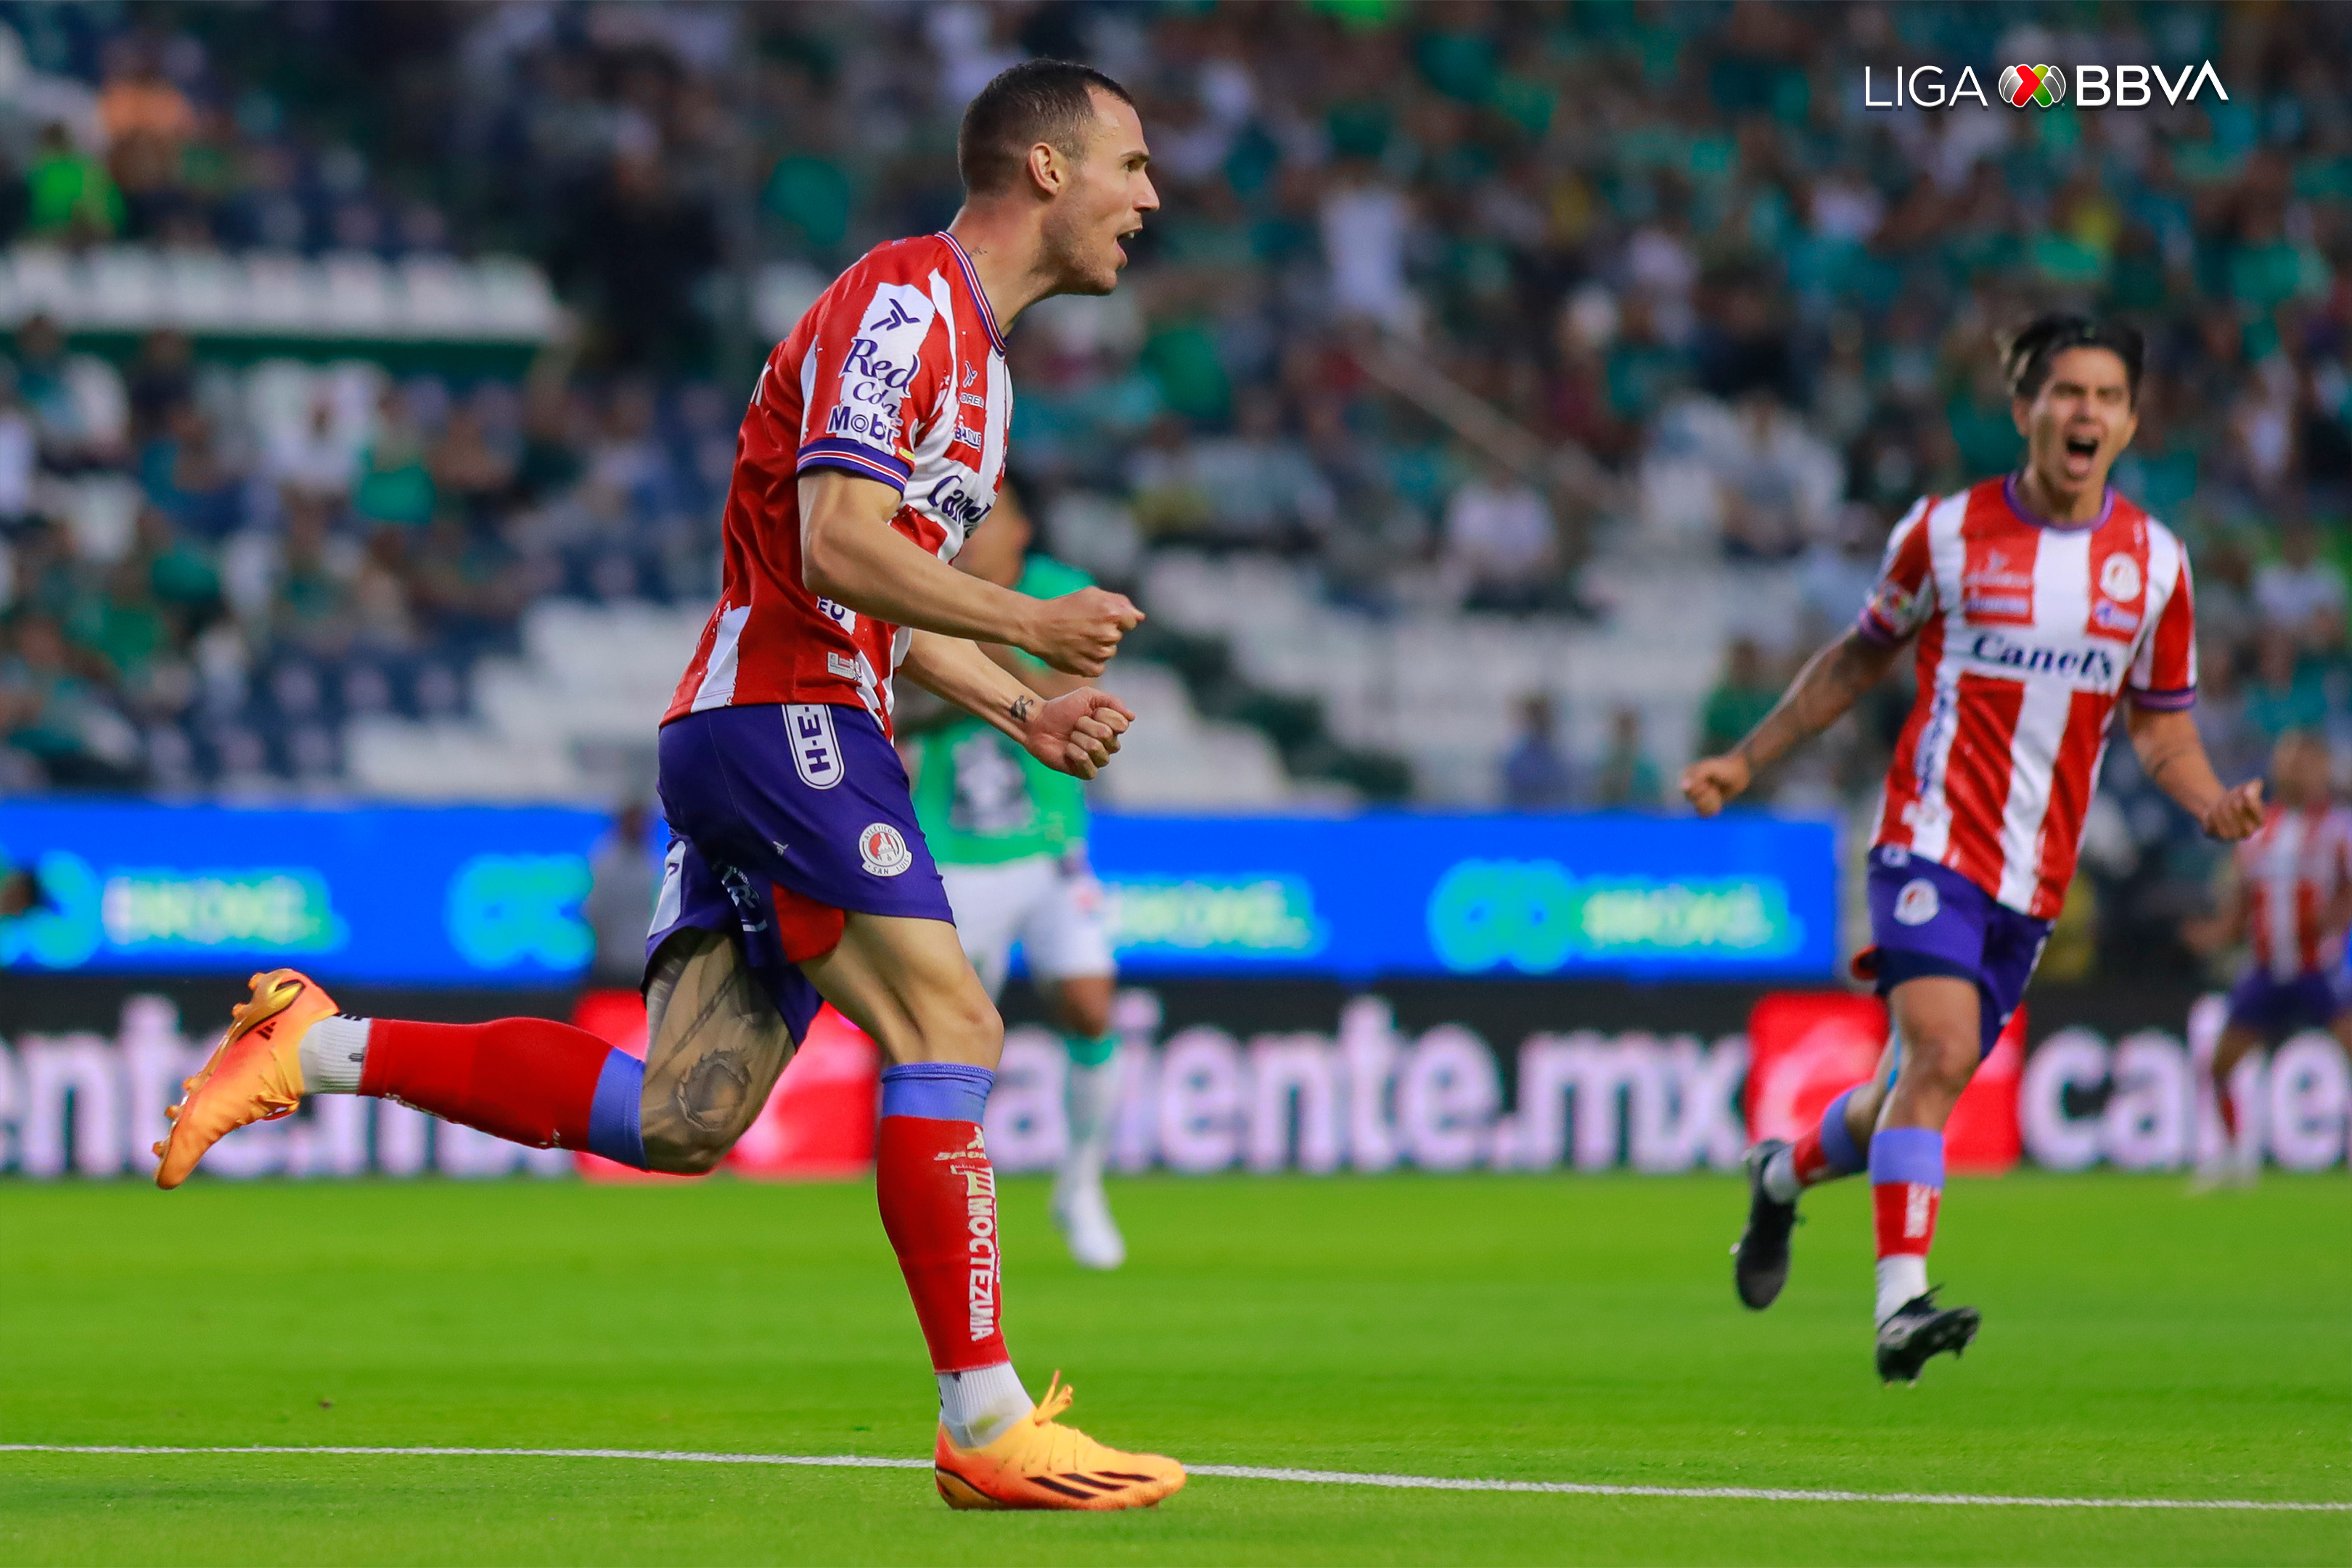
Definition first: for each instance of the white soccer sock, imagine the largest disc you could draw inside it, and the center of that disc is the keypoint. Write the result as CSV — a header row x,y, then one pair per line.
x,y
1090,1099
1901,1276
978,1407
333,1050
1780,1176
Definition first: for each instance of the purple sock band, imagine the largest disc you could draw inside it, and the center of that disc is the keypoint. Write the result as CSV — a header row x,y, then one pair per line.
x,y
1912,1155
937,1091
1837,1139
613,1129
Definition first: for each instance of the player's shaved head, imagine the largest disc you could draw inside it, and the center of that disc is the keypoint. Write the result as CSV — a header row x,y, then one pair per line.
x,y
1052,102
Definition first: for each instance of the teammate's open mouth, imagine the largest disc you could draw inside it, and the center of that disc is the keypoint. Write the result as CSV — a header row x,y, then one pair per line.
x,y
2082,451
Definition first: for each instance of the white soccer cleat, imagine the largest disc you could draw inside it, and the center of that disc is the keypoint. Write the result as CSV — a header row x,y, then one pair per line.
x,y
1082,1212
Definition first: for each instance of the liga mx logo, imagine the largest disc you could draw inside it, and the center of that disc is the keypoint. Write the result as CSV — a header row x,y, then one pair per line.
x,y
2042,85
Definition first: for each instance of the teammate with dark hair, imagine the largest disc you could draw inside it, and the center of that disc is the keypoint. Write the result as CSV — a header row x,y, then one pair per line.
x,y
874,444
2037,602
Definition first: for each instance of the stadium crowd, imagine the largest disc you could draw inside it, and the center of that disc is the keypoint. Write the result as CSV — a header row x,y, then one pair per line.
x,y
1669,238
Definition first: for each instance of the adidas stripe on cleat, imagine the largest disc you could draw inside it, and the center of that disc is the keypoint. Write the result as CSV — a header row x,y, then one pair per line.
x,y
255,1074
1040,1463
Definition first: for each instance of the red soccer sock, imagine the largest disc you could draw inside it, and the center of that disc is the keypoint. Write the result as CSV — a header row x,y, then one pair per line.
x,y
1907,1189
530,1081
937,1194
2227,1104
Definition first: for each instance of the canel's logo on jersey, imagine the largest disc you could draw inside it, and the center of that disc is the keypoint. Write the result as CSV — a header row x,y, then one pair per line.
x,y
956,502
883,851
2091,666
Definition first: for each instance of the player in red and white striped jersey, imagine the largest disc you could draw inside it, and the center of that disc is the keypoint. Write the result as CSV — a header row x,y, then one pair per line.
x,y
2291,900
796,870
2038,602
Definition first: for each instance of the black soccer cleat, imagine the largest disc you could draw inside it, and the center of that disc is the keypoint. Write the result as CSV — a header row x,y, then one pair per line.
x,y
1918,1329
1760,1263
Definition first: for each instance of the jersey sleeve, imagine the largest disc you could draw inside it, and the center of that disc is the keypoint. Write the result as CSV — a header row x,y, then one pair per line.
x,y
1905,596
871,382
2163,675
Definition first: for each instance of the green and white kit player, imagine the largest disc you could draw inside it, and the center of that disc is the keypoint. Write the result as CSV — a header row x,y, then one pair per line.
x,y
1010,837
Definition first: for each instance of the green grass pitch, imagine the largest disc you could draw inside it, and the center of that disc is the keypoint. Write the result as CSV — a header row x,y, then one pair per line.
x,y
2138,1342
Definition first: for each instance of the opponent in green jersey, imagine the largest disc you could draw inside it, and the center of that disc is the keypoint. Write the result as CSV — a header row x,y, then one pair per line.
x,y
981,799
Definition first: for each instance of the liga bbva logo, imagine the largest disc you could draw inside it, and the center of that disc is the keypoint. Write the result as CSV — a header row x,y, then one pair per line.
x,y
2038,86
2044,86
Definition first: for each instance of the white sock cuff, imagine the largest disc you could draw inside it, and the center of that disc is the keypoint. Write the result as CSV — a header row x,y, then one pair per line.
x,y
334,1054
979,1407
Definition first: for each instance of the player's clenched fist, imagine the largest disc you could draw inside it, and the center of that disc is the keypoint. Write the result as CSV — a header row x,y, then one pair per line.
x,y
1076,732
2236,814
1079,632
1711,782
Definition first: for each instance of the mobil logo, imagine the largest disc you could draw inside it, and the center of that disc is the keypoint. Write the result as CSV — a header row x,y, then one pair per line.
x,y
956,500
878,425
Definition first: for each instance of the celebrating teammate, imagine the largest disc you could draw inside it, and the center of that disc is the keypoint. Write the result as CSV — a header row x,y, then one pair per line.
x,y
875,441
2291,899
1010,836
2037,601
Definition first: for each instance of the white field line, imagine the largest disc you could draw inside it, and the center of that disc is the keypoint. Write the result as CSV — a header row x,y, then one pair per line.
x,y
1241,1472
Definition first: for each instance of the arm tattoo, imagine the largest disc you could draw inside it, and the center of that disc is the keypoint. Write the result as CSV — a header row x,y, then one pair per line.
x,y
1020,709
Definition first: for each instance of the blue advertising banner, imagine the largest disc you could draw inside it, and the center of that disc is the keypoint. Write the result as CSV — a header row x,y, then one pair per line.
x,y
1607,894
466,895
488,896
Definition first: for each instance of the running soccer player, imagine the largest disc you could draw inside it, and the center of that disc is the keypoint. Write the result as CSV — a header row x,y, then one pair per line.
x,y
873,443
2037,601
2291,901
1010,836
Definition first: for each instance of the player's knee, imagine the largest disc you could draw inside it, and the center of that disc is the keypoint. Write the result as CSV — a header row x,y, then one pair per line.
x,y
690,1156
1941,1059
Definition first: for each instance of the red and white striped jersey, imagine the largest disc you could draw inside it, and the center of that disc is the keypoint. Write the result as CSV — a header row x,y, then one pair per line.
x,y
896,374
2029,632
2296,865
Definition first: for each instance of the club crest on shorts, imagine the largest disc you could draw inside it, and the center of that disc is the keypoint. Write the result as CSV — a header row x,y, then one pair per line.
x,y
816,754
883,849
1917,904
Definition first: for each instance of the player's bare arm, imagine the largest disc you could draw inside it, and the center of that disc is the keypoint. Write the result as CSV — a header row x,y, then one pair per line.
x,y
1832,682
854,557
1074,732
2169,750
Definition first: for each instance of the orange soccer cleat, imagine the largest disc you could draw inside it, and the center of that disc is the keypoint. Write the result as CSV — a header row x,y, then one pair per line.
x,y
255,1074
1041,1463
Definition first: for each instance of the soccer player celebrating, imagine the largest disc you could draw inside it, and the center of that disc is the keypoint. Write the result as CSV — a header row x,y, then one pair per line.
x,y
1010,836
2291,900
2036,600
873,443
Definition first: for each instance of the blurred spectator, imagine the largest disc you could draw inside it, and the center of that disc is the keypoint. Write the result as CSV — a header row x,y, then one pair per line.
x,y
1626,776
70,194
1537,774
1501,550
2299,590
2286,691
619,907
1742,697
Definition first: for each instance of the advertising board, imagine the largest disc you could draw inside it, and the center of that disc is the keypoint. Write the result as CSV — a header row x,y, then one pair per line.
x,y
484,896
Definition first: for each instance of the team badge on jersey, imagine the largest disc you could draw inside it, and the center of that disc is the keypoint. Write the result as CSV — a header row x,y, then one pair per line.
x,y
1917,904
816,753
883,850
2119,578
